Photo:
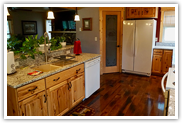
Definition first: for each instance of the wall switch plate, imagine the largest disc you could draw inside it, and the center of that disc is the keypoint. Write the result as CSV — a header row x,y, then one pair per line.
x,y
95,38
156,39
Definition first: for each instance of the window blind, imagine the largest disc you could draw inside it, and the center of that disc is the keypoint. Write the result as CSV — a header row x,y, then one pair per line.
x,y
169,19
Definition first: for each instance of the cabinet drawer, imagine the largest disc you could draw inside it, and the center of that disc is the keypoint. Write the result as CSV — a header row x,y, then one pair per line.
x,y
61,76
158,52
30,89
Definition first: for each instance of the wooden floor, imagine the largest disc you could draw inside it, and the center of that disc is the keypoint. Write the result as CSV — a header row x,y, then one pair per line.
x,y
127,95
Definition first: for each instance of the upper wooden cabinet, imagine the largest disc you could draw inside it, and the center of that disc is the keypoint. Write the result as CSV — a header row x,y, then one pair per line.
x,y
141,12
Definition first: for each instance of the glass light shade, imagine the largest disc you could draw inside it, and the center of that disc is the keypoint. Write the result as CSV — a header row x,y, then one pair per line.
x,y
8,14
76,18
50,15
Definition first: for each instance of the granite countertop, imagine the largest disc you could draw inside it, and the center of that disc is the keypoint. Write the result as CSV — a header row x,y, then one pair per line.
x,y
164,47
171,103
20,78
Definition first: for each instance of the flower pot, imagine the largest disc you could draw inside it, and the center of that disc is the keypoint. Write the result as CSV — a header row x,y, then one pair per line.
x,y
41,47
63,44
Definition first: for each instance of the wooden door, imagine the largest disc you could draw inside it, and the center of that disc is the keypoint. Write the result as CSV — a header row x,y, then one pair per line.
x,y
35,105
111,36
133,12
77,89
167,60
148,12
58,99
156,66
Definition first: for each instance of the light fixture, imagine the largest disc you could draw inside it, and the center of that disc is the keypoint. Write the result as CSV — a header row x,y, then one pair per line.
x,y
8,14
76,18
50,15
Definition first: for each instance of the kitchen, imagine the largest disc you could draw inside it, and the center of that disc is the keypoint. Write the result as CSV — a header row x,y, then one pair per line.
x,y
93,44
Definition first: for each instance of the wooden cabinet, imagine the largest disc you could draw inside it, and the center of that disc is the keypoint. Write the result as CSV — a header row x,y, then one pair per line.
x,y
141,12
156,66
53,96
162,60
77,89
58,99
133,12
65,95
35,105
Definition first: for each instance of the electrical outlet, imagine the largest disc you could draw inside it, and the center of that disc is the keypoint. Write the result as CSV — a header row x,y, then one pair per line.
x,y
156,39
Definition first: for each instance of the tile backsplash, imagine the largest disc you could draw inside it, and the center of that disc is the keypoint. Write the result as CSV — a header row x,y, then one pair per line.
x,y
165,44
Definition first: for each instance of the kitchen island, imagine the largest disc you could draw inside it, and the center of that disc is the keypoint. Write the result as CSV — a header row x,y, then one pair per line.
x,y
52,93
20,78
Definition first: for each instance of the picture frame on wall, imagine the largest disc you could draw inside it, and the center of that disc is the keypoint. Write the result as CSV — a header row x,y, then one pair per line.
x,y
87,24
29,27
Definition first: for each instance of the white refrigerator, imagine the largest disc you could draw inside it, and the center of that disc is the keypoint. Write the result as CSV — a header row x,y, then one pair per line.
x,y
138,43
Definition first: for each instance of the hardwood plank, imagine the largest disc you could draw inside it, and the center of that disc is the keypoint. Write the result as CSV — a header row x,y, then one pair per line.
x,y
127,95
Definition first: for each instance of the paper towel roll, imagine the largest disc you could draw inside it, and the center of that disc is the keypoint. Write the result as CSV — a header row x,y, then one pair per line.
x,y
10,62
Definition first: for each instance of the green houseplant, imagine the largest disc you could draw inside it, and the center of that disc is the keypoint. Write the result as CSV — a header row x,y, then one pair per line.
x,y
29,47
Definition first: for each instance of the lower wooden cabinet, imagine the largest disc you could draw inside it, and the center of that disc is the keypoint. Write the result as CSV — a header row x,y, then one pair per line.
x,y
77,89
162,60
58,99
53,96
35,105
65,95
156,64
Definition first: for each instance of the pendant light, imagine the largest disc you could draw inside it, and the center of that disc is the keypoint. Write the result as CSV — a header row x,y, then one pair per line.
x,y
8,14
76,18
50,15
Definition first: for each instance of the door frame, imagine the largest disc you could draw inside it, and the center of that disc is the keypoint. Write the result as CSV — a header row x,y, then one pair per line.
x,y
110,9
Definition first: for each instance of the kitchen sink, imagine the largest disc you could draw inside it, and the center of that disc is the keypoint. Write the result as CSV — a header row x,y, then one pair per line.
x,y
45,68
63,62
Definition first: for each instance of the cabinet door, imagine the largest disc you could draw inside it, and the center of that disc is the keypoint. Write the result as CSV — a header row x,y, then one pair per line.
x,y
148,11
167,61
156,66
133,12
35,105
77,89
58,99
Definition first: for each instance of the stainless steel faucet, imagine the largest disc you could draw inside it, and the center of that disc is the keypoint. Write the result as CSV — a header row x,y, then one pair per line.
x,y
45,49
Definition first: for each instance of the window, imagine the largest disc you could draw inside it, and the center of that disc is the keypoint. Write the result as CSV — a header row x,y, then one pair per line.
x,y
169,27
8,29
48,27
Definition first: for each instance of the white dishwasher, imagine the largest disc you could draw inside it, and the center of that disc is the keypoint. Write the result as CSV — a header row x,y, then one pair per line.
x,y
92,76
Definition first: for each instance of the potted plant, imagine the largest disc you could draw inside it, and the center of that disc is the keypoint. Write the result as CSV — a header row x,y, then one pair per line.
x,y
62,42
41,43
55,44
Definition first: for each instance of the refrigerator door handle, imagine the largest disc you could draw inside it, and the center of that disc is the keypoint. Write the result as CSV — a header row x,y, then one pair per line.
x,y
136,43
133,50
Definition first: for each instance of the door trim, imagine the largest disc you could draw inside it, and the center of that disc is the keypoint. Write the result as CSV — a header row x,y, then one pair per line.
x,y
110,9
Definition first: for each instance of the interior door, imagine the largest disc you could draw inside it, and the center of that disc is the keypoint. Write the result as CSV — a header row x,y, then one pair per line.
x,y
128,45
111,36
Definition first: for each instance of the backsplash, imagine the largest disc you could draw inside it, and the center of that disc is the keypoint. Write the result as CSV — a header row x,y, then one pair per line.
x,y
165,44
40,59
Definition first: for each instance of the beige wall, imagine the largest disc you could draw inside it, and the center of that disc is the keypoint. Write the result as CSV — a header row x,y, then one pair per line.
x,y
87,38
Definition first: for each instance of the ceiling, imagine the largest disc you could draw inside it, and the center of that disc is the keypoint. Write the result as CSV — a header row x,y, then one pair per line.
x,y
44,9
